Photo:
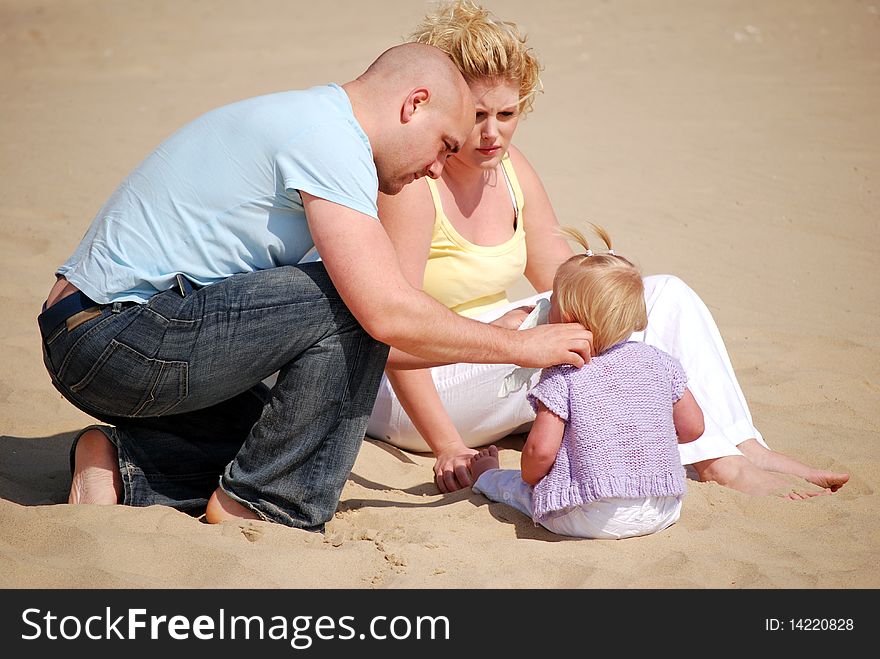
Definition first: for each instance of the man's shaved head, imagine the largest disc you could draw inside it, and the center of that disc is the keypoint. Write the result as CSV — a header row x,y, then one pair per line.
x,y
408,62
416,109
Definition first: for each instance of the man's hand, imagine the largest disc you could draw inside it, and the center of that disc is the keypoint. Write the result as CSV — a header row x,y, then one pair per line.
x,y
556,343
451,471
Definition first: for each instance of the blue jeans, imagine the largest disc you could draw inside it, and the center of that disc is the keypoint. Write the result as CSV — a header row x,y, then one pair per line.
x,y
180,380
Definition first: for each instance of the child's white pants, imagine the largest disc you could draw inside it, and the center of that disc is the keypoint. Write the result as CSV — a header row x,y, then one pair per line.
x,y
609,518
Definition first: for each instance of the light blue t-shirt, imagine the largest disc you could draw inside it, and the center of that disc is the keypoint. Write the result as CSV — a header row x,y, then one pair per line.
x,y
220,196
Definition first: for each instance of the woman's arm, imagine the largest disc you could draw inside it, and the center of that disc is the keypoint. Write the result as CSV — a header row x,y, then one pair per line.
x,y
542,445
545,248
415,388
407,218
419,398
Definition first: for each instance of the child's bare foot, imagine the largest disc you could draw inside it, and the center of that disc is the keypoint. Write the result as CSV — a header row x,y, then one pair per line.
x,y
483,461
96,477
222,507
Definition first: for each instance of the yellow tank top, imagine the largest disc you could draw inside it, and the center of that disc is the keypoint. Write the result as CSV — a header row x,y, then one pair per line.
x,y
472,279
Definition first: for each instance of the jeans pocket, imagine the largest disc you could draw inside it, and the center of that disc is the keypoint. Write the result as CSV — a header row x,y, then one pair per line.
x,y
123,382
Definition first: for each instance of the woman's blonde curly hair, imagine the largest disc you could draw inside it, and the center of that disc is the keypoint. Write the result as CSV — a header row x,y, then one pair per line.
x,y
482,46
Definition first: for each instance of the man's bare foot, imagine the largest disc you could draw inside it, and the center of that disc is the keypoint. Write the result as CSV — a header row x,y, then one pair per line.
x,y
96,477
222,507
771,460
483,461
739,473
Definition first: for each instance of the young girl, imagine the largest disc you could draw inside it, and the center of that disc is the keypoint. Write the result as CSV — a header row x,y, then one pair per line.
x,y
601,460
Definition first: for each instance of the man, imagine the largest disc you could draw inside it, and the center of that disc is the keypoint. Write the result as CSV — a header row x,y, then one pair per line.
x,y
186,292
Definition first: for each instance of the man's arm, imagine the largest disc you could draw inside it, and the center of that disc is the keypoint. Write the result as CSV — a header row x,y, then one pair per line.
x,y
362,263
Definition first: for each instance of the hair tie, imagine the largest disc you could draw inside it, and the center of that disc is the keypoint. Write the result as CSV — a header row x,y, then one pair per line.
x,y
589,252
611,251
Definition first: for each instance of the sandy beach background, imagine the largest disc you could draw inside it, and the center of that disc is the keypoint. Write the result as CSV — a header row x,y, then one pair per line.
x,y
735,144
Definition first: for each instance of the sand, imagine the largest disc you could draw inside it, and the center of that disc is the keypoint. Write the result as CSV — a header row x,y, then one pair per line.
x,y
734,144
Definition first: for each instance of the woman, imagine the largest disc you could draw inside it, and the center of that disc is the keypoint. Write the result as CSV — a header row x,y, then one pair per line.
x,y
493,222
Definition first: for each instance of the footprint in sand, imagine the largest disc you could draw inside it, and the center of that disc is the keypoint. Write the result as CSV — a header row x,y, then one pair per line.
x,y
251,532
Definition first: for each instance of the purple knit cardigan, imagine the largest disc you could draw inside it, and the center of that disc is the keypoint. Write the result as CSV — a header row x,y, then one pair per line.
x,y
619,439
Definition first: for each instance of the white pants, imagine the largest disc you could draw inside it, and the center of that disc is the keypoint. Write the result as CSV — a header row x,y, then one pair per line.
x,y
678,323
609,518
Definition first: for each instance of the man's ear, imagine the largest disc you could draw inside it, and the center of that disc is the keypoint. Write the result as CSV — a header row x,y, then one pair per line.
x,y
413,100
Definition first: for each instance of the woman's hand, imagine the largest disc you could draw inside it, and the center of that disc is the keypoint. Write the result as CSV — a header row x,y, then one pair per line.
x,y
451,470
513,318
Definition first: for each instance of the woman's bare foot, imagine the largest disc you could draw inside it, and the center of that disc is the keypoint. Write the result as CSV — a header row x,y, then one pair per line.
x,y
483,461
96,477
833,480
739,473
771,460
222,507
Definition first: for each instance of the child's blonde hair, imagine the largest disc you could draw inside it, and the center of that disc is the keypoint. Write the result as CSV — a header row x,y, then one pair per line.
x,y
603,292
482,46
